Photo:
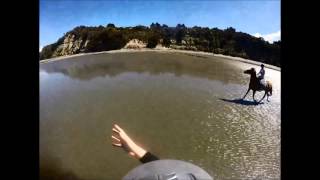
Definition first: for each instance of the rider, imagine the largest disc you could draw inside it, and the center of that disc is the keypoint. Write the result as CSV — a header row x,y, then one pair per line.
x,y
121,139
261,72
153,168
260,75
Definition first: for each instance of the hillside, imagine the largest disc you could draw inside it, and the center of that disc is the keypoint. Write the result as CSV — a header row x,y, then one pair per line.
x,y
84,39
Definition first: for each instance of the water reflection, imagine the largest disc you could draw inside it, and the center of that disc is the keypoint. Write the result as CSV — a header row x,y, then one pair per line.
x,y
87,67
180,106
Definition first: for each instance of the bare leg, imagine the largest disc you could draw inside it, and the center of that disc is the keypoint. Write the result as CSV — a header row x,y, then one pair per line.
x,y
246,93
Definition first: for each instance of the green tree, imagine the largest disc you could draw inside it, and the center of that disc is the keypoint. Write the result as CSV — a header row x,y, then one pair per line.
x,y
153,40
179,36
110,25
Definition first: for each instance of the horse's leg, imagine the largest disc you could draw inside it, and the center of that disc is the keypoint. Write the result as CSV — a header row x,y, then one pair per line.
x,y
246,93
263,96
254,92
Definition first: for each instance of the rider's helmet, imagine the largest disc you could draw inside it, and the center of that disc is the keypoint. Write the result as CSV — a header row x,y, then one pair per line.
x,y
167,170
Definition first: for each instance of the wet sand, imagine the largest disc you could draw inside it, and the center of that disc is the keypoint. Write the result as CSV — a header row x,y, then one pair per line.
x,y
179,105
166,50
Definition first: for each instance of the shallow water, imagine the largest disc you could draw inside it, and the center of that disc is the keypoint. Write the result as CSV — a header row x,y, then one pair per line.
x,y
178,106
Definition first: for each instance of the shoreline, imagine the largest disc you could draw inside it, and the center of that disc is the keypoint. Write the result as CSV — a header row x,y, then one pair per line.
x,y
166,50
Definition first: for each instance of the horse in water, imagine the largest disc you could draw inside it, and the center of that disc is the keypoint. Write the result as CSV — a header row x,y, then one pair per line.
x,y
255,85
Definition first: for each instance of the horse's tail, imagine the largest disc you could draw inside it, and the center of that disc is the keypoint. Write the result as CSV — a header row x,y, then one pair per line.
x,y
269,88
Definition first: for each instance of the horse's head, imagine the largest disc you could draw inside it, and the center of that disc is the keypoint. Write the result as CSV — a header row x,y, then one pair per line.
x,y
250,71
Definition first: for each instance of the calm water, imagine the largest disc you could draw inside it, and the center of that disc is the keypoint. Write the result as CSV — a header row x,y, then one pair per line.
x,y
177,106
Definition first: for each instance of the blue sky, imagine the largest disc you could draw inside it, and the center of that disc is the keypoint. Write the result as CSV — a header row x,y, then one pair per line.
x,y
257,17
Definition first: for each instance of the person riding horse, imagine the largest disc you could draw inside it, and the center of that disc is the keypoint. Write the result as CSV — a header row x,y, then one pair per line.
x,y
261,72
258,83
260,75
154,168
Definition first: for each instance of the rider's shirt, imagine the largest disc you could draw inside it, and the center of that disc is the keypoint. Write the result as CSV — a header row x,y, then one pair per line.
x,y
261,73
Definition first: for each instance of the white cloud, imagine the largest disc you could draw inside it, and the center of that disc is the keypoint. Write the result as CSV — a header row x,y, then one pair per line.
x,y
270,37
257,35
40,48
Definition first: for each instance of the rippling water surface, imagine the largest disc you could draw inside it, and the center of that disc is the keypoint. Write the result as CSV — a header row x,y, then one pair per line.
x,y
178,106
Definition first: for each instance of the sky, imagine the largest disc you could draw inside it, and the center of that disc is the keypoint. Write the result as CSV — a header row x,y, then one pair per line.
x,y
260,18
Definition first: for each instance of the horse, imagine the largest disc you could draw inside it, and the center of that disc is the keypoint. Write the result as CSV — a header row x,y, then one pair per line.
x,y
255,85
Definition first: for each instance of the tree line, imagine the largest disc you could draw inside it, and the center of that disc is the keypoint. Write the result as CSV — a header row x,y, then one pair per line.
x,y
227,41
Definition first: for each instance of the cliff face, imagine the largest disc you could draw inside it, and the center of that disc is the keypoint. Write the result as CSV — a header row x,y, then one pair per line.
x,y
84,39
135,44
67,45
70,46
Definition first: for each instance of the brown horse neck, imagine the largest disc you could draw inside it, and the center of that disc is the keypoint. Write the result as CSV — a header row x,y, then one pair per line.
x,y
253,77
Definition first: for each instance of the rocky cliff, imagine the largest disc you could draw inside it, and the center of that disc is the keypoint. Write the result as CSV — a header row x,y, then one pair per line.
x,y
70,45
84,39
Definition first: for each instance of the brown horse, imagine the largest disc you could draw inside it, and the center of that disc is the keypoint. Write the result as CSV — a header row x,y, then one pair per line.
x,y
255,85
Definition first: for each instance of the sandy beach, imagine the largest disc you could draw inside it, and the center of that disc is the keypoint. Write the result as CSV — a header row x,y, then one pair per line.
x,y
165,50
